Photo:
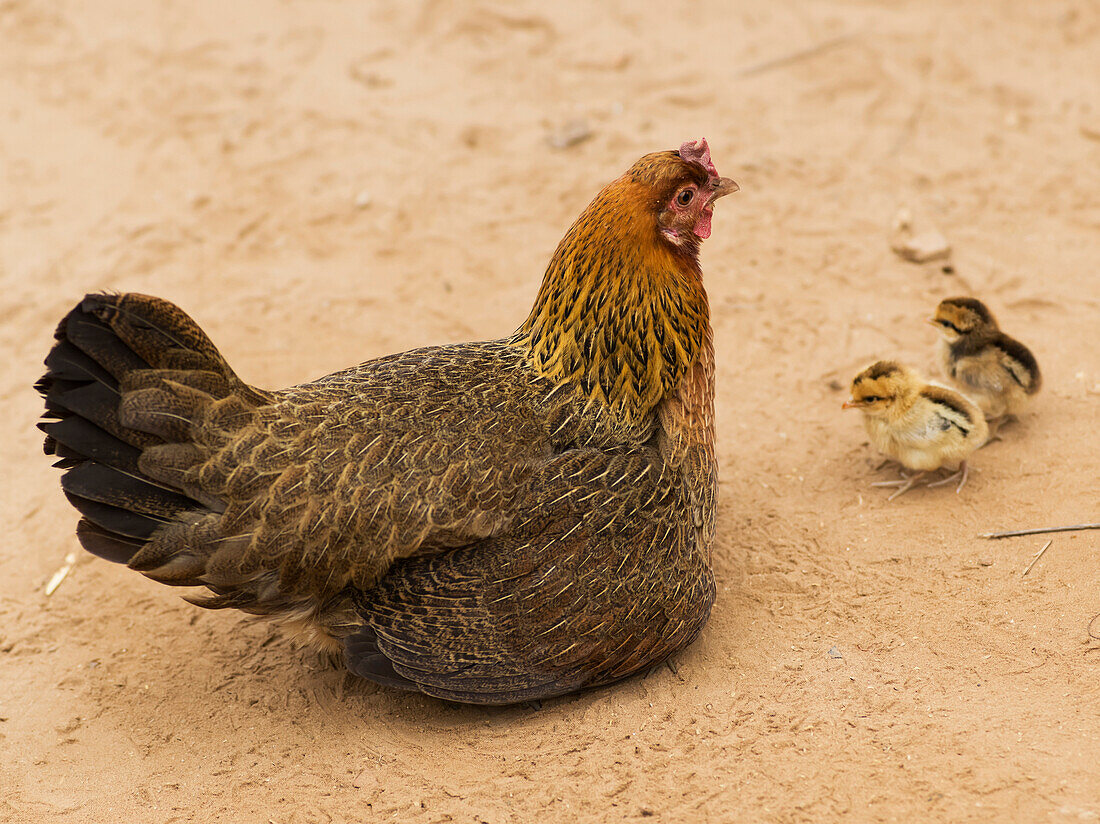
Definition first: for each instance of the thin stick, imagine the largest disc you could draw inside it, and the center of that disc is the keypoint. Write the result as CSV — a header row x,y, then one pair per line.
x,y
59,576
1038,555
1042,531
794,57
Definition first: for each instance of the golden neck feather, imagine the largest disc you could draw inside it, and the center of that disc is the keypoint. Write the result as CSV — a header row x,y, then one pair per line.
x,y
621,312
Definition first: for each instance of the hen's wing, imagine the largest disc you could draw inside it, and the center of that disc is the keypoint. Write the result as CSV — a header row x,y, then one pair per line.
x,y
411,453
600,578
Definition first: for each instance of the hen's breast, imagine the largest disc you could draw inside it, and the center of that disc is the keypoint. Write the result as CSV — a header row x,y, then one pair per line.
x,y
686,441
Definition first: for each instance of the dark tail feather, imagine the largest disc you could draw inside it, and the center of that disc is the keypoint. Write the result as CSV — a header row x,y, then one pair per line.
x,y
116,520
67,362
104,343
96,403
80,439
87,330
108,485
106,544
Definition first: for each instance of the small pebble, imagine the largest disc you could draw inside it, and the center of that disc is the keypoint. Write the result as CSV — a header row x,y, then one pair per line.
x,y
572,133
921,248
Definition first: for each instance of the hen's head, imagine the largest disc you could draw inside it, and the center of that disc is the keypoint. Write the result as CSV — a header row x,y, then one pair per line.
x,y
679,189
622,312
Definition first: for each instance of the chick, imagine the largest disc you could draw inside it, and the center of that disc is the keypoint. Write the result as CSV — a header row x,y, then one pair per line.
x,y
997,372
922,426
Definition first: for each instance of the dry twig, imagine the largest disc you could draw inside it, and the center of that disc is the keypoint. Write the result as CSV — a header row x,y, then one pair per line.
x,y
1038,555
1041,531
59,576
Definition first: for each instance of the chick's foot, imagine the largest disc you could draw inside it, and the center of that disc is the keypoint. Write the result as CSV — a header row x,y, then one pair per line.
x,y
960,475
903,484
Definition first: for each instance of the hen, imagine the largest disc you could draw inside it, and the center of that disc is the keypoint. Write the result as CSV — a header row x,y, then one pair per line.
x,y
486,522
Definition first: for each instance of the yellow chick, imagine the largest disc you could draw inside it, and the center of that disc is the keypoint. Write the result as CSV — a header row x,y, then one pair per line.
x,y
998,372
920,425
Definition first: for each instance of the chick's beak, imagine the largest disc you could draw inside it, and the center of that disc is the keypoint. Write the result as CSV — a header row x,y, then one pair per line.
x,y
720,187
850,404
932,321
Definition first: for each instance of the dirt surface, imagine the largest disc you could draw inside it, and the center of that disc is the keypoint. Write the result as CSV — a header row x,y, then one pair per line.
x,y
319,183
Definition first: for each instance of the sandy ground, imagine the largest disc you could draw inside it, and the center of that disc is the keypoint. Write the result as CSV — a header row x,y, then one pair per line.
x,y
320,183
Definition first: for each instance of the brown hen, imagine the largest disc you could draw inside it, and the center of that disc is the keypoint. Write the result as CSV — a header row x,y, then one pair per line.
x,y
484,522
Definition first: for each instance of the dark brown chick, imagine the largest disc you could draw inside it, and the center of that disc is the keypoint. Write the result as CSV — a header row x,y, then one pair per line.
x,y
997,372
484,522
920,425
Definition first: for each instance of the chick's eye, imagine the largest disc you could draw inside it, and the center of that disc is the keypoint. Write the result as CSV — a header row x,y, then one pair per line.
x,y
871,398
684,198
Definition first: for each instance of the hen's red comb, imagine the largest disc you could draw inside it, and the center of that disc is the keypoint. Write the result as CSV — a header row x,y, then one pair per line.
x,y
697,151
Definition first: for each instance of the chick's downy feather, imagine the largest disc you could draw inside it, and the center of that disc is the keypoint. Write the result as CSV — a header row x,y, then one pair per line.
x,y
922,426
998,372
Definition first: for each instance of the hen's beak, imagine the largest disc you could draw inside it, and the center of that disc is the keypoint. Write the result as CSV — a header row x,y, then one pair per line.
x,y
720,187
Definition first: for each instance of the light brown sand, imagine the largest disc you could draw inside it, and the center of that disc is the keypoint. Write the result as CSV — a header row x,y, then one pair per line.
x,y
213,153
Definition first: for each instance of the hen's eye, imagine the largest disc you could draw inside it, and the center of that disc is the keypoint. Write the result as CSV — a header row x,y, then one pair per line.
x,y
684,198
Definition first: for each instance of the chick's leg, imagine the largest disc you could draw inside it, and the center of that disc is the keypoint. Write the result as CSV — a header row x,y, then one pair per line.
x,y
960,475
995,426
904,484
